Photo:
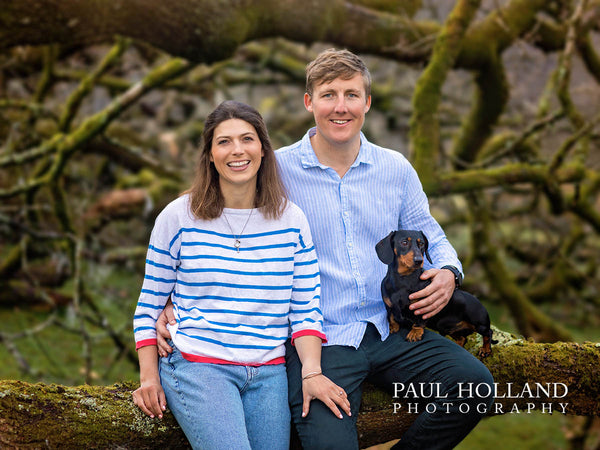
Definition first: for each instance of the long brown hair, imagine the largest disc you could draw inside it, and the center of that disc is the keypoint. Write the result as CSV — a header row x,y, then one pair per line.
x,y
206,198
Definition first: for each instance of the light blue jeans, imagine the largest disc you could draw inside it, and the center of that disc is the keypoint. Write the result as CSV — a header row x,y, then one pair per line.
x,y
223,406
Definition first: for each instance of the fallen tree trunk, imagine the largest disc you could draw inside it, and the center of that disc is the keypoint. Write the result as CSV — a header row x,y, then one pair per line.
x,y
559,377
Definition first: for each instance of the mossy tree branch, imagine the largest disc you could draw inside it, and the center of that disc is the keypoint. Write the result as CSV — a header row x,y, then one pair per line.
x,y
479,179
67,144
582,201
424,136
198,31
87,83
482,51
490,97
530,320
105,416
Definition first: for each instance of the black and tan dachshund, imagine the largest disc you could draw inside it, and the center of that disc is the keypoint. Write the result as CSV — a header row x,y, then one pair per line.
x,y
403,251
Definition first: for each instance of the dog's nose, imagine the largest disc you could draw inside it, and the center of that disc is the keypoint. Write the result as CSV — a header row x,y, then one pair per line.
x,y
418,259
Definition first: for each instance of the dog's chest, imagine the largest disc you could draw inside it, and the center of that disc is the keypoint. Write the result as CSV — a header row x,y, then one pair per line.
x,y
404,285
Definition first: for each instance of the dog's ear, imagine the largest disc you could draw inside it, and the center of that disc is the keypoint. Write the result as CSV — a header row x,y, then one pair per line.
x,y
426,247
385,250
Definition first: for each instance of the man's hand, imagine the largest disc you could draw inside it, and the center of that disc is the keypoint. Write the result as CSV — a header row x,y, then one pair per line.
x,y
434,297
162,333
322,388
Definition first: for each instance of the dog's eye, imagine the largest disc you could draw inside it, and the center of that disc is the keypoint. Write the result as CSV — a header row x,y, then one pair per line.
x,y
404,242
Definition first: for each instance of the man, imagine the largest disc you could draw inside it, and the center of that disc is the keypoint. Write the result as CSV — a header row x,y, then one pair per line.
x,y
353,194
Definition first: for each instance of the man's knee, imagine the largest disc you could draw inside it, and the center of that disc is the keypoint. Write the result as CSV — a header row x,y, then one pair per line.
x,y
322,430
479,387
334,438
469,381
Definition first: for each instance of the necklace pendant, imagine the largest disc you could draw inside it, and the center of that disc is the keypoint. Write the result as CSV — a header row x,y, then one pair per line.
x,y
237,244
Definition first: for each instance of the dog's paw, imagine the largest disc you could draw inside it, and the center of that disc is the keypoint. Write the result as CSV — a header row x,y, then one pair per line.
x,y
415,334
387,301
461,340
484,351
394,327
486,348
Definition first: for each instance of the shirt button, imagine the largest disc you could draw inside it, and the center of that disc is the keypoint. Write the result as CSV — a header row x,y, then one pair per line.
x,y
349,244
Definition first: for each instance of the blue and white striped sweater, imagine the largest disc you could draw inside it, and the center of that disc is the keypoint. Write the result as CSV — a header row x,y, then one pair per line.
x,y
231,306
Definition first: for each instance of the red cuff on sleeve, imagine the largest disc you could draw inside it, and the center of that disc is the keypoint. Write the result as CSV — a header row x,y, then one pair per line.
x,y
309,333
145,343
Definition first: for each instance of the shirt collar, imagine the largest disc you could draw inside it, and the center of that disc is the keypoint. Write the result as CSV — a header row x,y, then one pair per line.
x,y
309,159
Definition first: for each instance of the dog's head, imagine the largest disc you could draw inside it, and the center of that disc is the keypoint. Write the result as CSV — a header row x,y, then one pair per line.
x,y
406,247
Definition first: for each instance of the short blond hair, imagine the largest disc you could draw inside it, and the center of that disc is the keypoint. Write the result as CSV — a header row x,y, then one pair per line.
x,y
331,64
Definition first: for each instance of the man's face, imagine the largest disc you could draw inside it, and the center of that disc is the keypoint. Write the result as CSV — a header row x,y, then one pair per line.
x,y
339,108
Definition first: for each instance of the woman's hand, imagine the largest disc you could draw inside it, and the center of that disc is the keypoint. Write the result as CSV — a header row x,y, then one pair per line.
x,y
151,399
322,388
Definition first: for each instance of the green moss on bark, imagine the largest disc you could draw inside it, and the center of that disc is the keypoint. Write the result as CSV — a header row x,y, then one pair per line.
x,y
105,417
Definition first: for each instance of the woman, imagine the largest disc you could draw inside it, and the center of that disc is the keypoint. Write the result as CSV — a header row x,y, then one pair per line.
x,y
237,260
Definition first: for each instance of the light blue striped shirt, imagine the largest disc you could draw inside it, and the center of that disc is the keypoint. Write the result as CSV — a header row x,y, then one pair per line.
x,y
231,306
381,192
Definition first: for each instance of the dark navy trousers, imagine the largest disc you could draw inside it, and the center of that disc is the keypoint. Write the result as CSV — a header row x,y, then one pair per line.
x,y
433,365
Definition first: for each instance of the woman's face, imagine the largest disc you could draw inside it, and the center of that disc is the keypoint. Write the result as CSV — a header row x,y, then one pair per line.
x,y
237,153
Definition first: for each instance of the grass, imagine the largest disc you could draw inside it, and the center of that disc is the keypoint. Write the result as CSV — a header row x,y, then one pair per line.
x,y
518,432
57,353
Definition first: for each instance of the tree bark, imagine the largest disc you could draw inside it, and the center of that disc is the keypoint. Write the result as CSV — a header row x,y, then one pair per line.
x,y
208,30
46,416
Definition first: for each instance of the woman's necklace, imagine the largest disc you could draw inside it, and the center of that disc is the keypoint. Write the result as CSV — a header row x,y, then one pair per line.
x,y
237,239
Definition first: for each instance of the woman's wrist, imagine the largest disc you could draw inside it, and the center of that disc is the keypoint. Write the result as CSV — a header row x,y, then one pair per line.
x,y
310,374
149,379
148,365
310,366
